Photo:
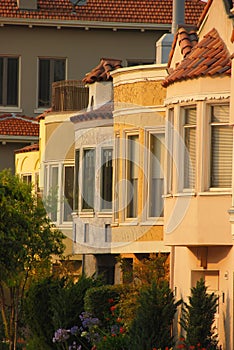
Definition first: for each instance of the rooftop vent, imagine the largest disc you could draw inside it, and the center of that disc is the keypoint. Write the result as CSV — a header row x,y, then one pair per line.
x,y
27,4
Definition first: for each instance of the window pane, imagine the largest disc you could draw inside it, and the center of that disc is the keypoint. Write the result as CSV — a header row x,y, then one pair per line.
x,y
54,193
44,83
76,180
88,179
12,82
156,175
190,148
221,147
106,179
59,70
132,176
221,157
68,192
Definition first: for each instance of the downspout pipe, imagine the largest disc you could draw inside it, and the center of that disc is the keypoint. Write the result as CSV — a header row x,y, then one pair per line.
x,y
178,15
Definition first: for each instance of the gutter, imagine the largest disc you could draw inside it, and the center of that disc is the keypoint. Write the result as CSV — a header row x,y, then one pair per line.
x,y
82,24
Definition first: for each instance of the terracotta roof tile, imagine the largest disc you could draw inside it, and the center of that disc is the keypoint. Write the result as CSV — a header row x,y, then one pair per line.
x,y
31,148
17,125
102,71
209,57
122,11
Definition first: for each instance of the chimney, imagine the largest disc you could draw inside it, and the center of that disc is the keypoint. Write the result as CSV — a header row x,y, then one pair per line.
x,y
177,15
27,4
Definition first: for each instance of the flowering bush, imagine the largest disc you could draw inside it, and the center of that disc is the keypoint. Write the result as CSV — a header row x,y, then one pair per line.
x,y
107,335
68,339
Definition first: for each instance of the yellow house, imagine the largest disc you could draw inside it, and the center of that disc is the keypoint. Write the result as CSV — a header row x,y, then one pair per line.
x,y
199,162
139,137
27,165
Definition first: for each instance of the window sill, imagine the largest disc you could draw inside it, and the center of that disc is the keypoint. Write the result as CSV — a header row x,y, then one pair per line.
x,y
41,109
153,222
104,214
130,223
11,109
86,214
215,192
185,194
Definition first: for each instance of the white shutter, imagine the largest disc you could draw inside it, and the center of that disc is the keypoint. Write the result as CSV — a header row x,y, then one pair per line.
x,y
221,147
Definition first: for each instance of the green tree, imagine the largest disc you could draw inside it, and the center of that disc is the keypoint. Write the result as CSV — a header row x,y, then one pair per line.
x,y
54,303
198,317
151,327
27,241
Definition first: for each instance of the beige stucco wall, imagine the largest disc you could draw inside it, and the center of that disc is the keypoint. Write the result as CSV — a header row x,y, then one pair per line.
x,y
59,137
80,47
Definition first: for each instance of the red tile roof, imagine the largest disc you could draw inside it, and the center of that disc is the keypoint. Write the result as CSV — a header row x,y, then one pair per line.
x,y
122,11
105,111
208,58
16,125
102,71
31,148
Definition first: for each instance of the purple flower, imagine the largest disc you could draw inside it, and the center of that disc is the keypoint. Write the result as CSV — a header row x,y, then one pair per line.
x,y
60,335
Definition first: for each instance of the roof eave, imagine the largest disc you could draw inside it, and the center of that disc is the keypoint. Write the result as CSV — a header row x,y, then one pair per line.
x,y
17,138
83,24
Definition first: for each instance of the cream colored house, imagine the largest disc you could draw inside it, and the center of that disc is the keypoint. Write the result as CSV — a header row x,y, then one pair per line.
x,y
139,134
199,141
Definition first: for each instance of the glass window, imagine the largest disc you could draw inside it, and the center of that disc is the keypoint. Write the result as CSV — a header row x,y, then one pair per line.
x,y
156,175
53,193
9,81
132,176
106,179
50,70
27,179
76,179
68,192
221,147
170,142
88,179
189,129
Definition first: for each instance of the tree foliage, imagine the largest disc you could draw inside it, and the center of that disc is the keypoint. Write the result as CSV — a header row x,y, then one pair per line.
x,y
198,317
54,303
27,241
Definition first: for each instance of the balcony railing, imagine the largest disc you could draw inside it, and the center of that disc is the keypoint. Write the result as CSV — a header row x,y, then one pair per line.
x,y
69,95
